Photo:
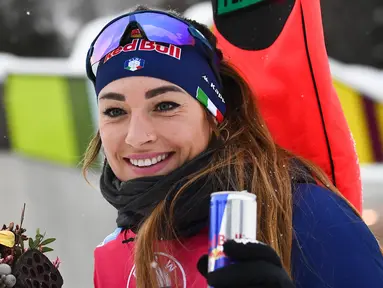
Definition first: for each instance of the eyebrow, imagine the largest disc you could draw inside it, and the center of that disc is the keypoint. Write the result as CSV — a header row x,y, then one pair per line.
x,y
162,90
113,96
148,94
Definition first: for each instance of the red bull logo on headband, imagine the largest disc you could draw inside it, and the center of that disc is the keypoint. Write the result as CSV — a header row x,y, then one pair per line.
x,y
145,45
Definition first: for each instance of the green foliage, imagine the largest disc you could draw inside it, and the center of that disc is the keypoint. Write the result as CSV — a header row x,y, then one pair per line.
x,y
40,242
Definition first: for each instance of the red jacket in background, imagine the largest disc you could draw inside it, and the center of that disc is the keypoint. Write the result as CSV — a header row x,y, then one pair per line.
x,y
292,82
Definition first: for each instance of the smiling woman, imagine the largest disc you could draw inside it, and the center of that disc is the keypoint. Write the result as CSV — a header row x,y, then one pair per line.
x,y
148,126
177,126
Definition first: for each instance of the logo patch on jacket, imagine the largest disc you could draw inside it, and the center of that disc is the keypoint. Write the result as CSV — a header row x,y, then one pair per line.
x,y
168,271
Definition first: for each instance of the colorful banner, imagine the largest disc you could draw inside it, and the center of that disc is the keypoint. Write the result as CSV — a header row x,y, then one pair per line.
x,y
48,117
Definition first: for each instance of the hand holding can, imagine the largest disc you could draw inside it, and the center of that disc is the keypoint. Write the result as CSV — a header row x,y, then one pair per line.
x,y
233,216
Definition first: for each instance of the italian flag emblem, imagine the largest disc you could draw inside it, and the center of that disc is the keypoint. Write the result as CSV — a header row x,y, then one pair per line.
x,y
204,99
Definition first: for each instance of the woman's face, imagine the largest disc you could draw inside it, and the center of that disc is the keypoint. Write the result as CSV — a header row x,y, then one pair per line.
x,y
150,127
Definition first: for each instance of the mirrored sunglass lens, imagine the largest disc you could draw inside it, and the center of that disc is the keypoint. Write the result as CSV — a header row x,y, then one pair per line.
x,y
157,27
109,39
163,28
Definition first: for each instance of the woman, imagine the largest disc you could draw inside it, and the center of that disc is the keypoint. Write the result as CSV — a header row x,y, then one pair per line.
x,y
177,123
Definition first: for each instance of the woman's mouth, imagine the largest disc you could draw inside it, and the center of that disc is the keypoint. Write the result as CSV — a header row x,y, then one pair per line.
x,y
149,161
148,164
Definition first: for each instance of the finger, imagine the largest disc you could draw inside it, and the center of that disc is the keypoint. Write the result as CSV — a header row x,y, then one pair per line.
x,y
202,265
250,274
250,252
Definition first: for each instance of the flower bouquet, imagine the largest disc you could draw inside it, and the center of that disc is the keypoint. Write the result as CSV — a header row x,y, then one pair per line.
x,y
26,267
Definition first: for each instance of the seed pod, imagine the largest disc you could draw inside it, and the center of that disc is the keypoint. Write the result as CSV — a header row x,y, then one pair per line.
x,y
5,269
10,280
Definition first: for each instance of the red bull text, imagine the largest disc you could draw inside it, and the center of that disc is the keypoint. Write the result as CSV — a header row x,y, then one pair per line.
x,y
233,215
145,45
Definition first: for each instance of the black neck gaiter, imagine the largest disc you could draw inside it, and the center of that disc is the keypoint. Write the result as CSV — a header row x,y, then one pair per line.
x,y
136,199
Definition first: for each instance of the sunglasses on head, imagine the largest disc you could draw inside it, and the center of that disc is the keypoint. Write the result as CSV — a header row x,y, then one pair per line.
x,y
155,26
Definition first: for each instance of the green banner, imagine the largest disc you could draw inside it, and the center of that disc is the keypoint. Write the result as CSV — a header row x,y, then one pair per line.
x,y
227,6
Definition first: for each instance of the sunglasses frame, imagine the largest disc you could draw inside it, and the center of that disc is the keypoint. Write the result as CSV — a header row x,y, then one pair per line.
x,y
208,50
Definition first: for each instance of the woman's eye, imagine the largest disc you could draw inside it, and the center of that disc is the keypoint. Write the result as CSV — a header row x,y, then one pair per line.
x,y
166,106
114,112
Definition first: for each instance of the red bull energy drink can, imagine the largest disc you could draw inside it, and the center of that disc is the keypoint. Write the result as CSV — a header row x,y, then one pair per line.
x,y
233,215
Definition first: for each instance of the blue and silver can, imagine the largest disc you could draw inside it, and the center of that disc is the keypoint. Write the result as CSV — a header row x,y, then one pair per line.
x,y
233,215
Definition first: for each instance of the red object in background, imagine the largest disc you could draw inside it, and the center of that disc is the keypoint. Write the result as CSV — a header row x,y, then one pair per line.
x,y
293,84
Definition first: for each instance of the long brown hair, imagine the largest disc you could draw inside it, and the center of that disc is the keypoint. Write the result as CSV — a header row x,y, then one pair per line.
x,y
250,159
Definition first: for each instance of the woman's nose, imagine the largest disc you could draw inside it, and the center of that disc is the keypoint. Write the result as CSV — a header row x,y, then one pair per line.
x,y
140,131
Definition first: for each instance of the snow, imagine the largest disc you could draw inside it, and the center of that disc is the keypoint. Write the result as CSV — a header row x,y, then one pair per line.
x,y
372,173
201,12
41,66
5,60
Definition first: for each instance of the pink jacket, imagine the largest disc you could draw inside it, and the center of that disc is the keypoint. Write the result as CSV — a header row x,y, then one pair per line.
x,y
114,263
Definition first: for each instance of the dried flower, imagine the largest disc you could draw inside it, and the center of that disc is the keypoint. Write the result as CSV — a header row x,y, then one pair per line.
x,y
57,262
12,240
9,259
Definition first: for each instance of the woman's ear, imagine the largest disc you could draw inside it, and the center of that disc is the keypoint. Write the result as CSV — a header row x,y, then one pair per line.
x,y
213,123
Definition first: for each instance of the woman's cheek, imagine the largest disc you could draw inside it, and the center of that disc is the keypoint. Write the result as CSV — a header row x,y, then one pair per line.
x,y
111,136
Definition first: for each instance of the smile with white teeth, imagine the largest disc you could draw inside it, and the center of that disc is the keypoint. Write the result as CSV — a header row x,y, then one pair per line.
x,y
148,162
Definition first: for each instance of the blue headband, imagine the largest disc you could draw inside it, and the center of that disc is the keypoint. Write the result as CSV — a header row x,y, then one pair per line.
x,y
180,65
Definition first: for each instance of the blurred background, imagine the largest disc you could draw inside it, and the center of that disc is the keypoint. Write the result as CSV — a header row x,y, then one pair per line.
x,y
47,113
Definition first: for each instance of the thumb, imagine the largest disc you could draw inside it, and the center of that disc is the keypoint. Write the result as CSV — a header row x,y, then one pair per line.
x,y
202,265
